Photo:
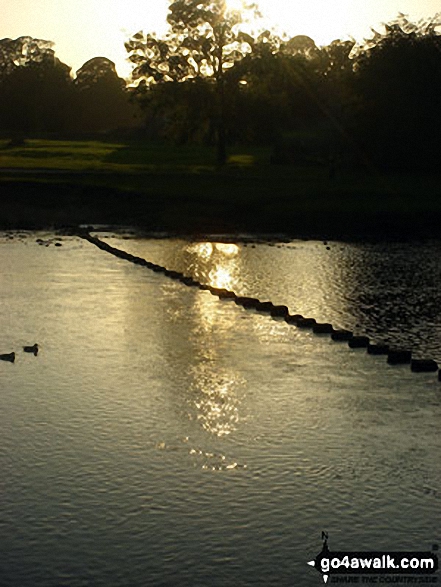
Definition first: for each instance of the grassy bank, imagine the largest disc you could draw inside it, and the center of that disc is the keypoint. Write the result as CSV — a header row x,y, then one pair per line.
x,y
177,189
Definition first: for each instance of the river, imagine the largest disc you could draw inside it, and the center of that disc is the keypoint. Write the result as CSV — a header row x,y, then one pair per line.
x,y
164,437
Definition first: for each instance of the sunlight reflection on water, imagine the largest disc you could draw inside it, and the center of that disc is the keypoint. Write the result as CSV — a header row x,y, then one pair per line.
x,y
390,291
164,437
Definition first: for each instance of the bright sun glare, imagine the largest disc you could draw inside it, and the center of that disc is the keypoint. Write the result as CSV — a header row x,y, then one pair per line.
x,y
235,5
90,28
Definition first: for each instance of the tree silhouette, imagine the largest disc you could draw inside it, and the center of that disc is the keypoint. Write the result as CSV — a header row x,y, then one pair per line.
x,y
24,51
101,100
34,86
300,45
204,41
39,96
398,79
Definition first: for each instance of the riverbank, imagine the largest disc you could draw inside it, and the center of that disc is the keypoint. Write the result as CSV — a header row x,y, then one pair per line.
x,y
170,189
220,202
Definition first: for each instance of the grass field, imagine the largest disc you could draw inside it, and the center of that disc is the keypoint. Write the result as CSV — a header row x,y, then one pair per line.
x,y
180,188
131,157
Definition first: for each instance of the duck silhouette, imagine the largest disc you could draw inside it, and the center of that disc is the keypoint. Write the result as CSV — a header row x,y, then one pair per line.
x,y
31,349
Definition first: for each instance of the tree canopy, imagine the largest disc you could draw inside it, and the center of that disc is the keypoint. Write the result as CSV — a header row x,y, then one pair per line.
x,y
39,95
397,76
204,41
209,81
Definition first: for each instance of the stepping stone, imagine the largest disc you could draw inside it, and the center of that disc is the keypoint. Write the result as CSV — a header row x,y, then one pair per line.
x,y
399,357
218,291
378,349
293,318
246,302
188,281
341,335
250,303
226,294
306,322
323,328
281,311
358,342
423,365
264,306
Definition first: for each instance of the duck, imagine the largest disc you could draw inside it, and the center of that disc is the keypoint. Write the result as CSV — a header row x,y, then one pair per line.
x,y
8,357
31,349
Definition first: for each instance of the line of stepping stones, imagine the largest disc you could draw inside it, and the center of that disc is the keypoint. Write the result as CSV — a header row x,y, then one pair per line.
x,y
394,356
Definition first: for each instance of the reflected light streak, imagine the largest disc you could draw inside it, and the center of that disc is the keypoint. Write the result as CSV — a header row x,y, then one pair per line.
x,y
217,261
203,250
215,399
208,307
228,249
214,388
221,277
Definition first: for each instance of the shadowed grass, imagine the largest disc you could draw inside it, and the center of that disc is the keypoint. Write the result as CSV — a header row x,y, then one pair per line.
x,y
180,189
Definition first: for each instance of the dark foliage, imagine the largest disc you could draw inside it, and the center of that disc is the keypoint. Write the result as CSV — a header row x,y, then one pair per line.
x,y
100,99
207,82
203,43
398,81
38,96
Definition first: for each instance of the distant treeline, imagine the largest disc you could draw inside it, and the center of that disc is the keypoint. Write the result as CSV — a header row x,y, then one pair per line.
x,y
377,105
38,94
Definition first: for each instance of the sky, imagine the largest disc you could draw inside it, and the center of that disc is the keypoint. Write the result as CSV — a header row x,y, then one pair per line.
x,y
82,29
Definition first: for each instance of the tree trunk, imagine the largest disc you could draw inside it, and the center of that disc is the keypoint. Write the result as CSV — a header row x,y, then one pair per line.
x,y
221,146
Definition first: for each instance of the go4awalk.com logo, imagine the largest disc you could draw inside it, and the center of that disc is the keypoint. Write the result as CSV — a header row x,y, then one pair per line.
x,y
375,567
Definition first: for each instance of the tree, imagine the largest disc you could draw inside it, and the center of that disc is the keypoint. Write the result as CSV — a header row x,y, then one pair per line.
x,y
101,101
300,45
398,80
24,51
204,41
34,86
267,100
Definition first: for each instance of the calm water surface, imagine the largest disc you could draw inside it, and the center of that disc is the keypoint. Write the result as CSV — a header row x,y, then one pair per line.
x,y
164,437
